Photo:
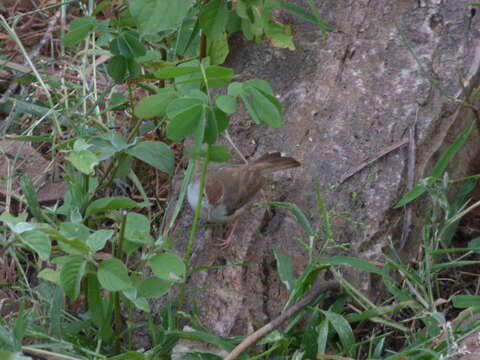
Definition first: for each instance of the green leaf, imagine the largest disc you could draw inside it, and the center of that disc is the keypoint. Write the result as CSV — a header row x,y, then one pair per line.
x,y
262,107
204,337
416,191
39,242
79,30
300,216
112,203
343,329
219,154
355,263
71,276
119,47
175,71
129,355
98,239
113,275
94,300
214,18
322,337
117,68
133,67
184,114
218,76
84,161
285,269
153,16
155,105
439,167
135,47
442,163
222,119
218,49
154,153
211,129
168,266
466,301
280,36
153,287
235,89
227,104
31,197
137,229
50,275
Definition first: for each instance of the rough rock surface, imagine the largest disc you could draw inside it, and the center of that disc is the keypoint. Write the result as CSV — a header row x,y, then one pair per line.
x,y
347,96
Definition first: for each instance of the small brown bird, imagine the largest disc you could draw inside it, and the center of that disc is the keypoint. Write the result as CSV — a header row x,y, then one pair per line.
x,y
229,189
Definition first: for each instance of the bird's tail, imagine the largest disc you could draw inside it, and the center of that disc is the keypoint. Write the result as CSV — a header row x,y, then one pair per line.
x,y
274,162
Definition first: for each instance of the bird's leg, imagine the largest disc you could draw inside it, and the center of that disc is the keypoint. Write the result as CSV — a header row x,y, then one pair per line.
x,y
225,243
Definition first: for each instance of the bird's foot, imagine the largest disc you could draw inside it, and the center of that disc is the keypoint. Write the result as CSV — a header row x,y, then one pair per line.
x,y
225,243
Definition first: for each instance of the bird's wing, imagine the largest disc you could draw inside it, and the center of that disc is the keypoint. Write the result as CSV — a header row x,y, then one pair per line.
x,y
241,185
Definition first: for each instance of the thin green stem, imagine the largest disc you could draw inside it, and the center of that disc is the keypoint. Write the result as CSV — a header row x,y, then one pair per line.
x,y
196,219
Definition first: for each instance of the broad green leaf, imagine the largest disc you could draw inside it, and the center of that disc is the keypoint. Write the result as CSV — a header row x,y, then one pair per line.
x,y
343,329
259,84
154,153
168,266
113,275
211,129
153,16
120,47
112,203
137,229
98,239
262,107
49,275
285,269
133,67
184,114
219,154
175,71
39,242
69,245
218,49
94,300
155,105
235,89
222,119
117,68
465,301
84,161
214,18
75,230
79,29
31,197
153,287
139,302
227,104
188,82
71,276
219,76
280,36
136,48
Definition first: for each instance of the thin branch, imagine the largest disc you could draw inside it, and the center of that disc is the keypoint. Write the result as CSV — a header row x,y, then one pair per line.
x,y
317,289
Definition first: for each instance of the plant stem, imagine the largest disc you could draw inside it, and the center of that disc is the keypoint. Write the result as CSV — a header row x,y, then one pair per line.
x,y
196,219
